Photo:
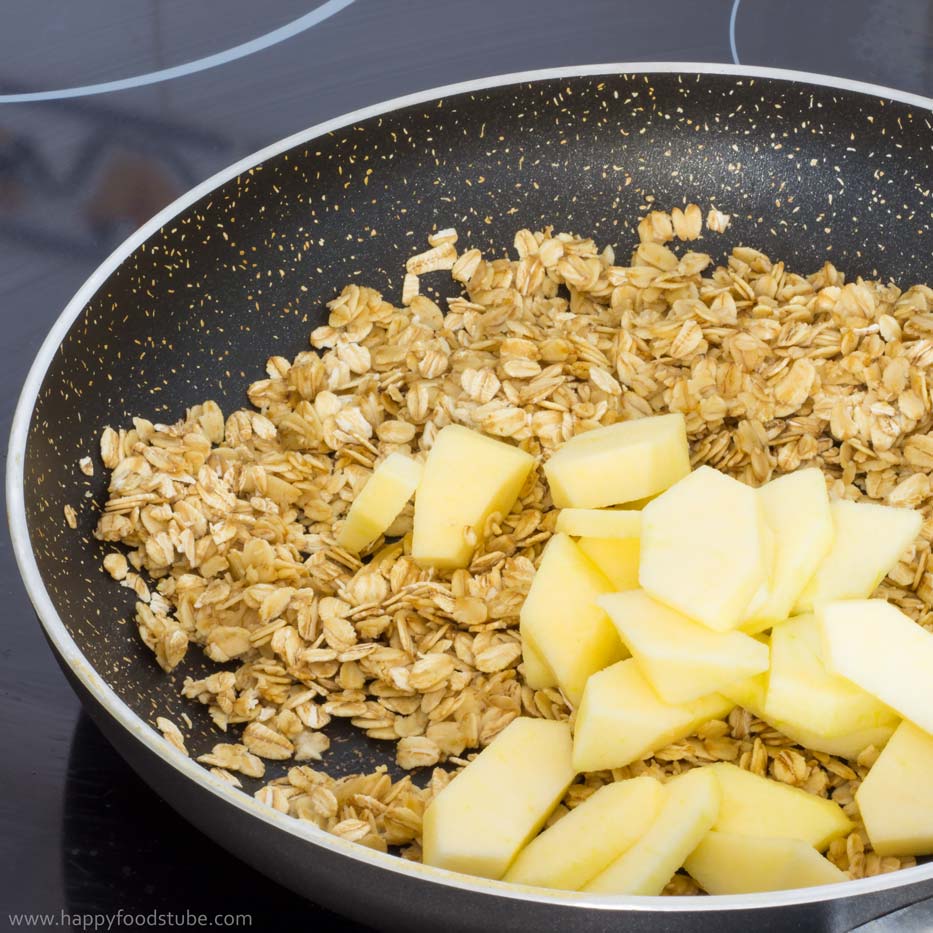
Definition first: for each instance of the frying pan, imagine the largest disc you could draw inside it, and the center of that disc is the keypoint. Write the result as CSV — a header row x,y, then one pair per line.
x,y
192,304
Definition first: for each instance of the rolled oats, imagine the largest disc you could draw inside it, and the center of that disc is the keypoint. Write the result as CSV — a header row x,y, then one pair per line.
x,y
232,518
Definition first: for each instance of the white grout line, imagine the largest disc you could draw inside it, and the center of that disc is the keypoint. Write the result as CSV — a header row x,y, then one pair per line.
x,y
302,24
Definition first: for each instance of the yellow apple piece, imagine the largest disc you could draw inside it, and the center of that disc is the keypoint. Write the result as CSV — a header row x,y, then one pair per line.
x,y
384,495
896,799
480,821
727,863
873,644
561,621
753,805
617,558
619,463
599,523
796,509
467,477
637,504
751,695
868,540
621,719
704,548
689,810
581,844
680,658
801,689
536,672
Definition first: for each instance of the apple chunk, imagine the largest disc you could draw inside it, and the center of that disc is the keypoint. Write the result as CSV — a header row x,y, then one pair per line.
x,y
621,719
704,548
617,558
801,689
599,523
581,844
727,863
868,540
796,509
561,621
467,477
486,814
757,806
896,799
536,672
688,812
619,463
751,695
390,486
680,658
873,644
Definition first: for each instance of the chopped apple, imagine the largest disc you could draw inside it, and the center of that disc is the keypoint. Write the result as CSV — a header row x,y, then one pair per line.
x,y
619,463
467,477
617,558
599,523
896,799
489,811
637,504
561,621
536,672
800,689
751,695
796,509
868,541
883,651
680,658
757,806
581,844
621,719
390,486
703,549
727,863
687,813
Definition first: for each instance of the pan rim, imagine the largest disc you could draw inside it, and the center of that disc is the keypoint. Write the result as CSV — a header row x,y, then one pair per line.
x,y
68,650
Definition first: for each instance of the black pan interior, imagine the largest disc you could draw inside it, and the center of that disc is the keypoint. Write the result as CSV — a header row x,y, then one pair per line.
x,y
808,173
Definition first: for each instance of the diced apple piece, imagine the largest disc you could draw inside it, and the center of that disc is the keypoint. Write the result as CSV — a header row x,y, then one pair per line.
x,y
599,523
757,806
800,689
581,844
687,813
868,540
796,509
703,551
467,477
637,504
561,621
896,799
536,672
489,811
621,719
727,863
680,658
751,694
873,644
617,558
390,486
619,463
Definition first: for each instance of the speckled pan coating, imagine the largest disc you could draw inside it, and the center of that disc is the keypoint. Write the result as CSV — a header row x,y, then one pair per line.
x,y
807,173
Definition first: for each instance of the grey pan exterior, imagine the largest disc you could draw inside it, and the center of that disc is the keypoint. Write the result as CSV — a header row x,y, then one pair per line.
x,y
375,888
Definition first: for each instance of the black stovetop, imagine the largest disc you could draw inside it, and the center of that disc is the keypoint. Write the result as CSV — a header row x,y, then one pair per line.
x,y
108,110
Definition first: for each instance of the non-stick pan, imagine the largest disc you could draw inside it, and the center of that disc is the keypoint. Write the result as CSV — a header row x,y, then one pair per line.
x,y
190,307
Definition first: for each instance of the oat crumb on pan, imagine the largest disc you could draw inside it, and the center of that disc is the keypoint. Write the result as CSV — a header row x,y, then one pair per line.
x,y
233,518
